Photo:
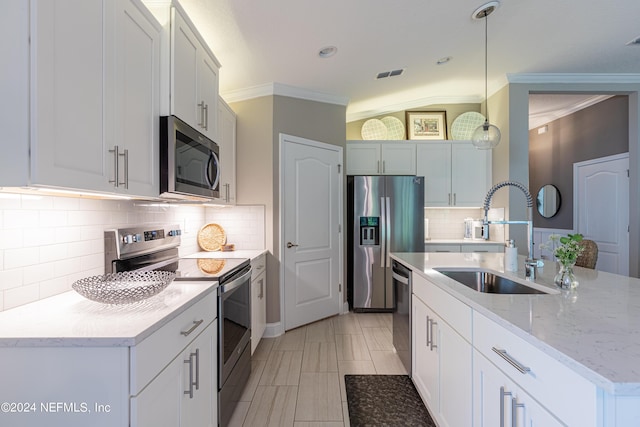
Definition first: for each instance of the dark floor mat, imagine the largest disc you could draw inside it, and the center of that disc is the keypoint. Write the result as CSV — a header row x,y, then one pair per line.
x,y
385,400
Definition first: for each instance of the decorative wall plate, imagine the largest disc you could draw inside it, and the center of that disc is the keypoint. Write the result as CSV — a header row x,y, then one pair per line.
x,y
395,128
464,125
374,129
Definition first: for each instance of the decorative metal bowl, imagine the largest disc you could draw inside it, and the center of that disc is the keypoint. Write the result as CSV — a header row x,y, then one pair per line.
x,y
123,288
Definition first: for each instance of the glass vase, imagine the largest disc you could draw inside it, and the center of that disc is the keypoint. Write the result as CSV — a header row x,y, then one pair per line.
x,y
566,279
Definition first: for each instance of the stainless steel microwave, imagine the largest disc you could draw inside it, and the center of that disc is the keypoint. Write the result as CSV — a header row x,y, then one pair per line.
x,y
189,162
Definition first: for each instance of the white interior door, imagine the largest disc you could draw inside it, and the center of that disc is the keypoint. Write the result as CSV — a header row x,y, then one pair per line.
x,y
601,207
311,203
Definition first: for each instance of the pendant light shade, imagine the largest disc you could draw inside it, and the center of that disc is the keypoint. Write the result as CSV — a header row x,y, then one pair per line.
x,y
486,136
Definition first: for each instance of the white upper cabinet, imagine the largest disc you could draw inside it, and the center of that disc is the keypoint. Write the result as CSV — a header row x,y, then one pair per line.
x,y
227,143
190,71
94,96
456,173
381,158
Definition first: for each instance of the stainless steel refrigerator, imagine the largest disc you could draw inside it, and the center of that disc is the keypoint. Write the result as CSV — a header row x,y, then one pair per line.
x,y
385,214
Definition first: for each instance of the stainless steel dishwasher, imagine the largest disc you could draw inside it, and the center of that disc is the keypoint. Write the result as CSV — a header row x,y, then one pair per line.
x,y
401,279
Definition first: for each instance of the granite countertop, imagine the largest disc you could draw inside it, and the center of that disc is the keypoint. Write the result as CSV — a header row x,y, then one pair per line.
x,y
70,320
593,330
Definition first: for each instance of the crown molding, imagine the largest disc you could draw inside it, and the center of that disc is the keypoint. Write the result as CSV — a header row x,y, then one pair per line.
x,y
280,89
573,78
545,117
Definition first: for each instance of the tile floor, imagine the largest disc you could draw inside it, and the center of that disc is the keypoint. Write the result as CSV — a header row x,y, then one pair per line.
x,y
297,379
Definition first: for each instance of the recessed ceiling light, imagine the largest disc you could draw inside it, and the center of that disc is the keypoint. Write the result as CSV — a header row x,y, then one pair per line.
x,y
444,60
327,52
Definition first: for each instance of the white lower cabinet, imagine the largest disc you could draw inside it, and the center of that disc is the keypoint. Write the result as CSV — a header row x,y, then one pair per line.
x,y
182,394
442,358
258,300
500,402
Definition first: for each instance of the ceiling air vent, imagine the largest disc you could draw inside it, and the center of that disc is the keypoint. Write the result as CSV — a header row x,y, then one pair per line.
x,y
392,73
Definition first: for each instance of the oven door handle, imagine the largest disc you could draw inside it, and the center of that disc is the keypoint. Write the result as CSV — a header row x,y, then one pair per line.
x,y
235,283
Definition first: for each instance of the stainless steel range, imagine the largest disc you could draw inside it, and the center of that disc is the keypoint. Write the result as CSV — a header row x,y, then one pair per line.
x,y
156,248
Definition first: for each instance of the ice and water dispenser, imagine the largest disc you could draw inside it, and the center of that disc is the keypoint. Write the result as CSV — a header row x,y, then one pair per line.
x,y
369,230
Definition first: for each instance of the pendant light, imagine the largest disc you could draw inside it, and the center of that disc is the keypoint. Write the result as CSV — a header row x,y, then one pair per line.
x,y
486,136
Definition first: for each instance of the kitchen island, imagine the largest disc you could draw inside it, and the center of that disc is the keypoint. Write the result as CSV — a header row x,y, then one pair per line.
x,y
592,333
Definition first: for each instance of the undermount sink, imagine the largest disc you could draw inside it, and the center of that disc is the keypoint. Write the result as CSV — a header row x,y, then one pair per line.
x,y
487,282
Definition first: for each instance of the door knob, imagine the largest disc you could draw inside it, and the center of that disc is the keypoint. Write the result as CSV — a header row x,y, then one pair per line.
x,y
290,245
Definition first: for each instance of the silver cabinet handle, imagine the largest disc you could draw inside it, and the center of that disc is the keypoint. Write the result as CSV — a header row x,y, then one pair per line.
x,y
513,362
432,344
261,295
514,411
378,167
502,396
190,362
291,245
116,174
226,189
125,154
428,343
384,166
197,355
449,199
206,116
201,106
196,323
454,199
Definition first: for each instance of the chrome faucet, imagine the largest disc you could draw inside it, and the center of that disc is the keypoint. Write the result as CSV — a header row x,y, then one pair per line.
x,y
530,263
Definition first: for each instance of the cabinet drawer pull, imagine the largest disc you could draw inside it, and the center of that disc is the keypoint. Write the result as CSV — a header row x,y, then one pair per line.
x,y
432,344
196,323
116,173
125,154
519,366
206,116
197,355
428,329
454,199
514,411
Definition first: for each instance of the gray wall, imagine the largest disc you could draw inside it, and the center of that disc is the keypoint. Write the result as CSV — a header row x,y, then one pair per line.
x,y
259,125
597,131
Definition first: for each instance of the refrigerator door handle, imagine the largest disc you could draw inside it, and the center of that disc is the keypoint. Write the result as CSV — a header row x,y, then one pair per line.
x,y
388,231
383,240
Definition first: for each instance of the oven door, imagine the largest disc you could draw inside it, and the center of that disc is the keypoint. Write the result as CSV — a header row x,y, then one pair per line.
x,y
234,323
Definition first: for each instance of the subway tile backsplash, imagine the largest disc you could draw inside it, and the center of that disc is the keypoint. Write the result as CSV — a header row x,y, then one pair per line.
x,y
47,242
449,223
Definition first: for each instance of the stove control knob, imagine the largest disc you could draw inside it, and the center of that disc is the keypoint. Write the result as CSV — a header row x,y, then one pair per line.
x,y
128,239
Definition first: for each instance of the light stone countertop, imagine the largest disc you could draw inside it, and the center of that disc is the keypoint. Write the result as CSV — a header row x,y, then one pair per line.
x,y
70,320
594,330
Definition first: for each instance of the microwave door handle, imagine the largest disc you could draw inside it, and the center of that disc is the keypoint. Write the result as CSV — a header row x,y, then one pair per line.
x,y
213,181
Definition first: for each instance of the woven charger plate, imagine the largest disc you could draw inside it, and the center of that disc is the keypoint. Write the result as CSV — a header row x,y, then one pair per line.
x,y
211,266
211,237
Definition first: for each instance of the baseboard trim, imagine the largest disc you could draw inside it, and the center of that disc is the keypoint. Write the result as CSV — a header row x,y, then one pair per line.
x,y
273,330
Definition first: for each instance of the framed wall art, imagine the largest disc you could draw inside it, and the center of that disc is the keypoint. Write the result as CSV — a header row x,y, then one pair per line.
x,y
426,124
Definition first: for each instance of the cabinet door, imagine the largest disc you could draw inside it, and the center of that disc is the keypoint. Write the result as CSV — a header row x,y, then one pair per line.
x,y
208,93
363,158
197,385
433,161
227,142
137,99
455,377
398,158
67,110
498,401
184,79
470,174
424,361
258,310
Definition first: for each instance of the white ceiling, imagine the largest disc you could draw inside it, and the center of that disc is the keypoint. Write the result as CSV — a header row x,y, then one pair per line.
x,y
261,43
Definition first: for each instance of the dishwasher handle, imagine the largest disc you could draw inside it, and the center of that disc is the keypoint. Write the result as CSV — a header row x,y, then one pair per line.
x,y
402,279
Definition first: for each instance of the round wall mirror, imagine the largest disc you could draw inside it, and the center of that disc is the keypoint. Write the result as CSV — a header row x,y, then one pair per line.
x,y
548,200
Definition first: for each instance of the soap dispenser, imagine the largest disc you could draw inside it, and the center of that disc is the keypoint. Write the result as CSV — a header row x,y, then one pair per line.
x,y
510,256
